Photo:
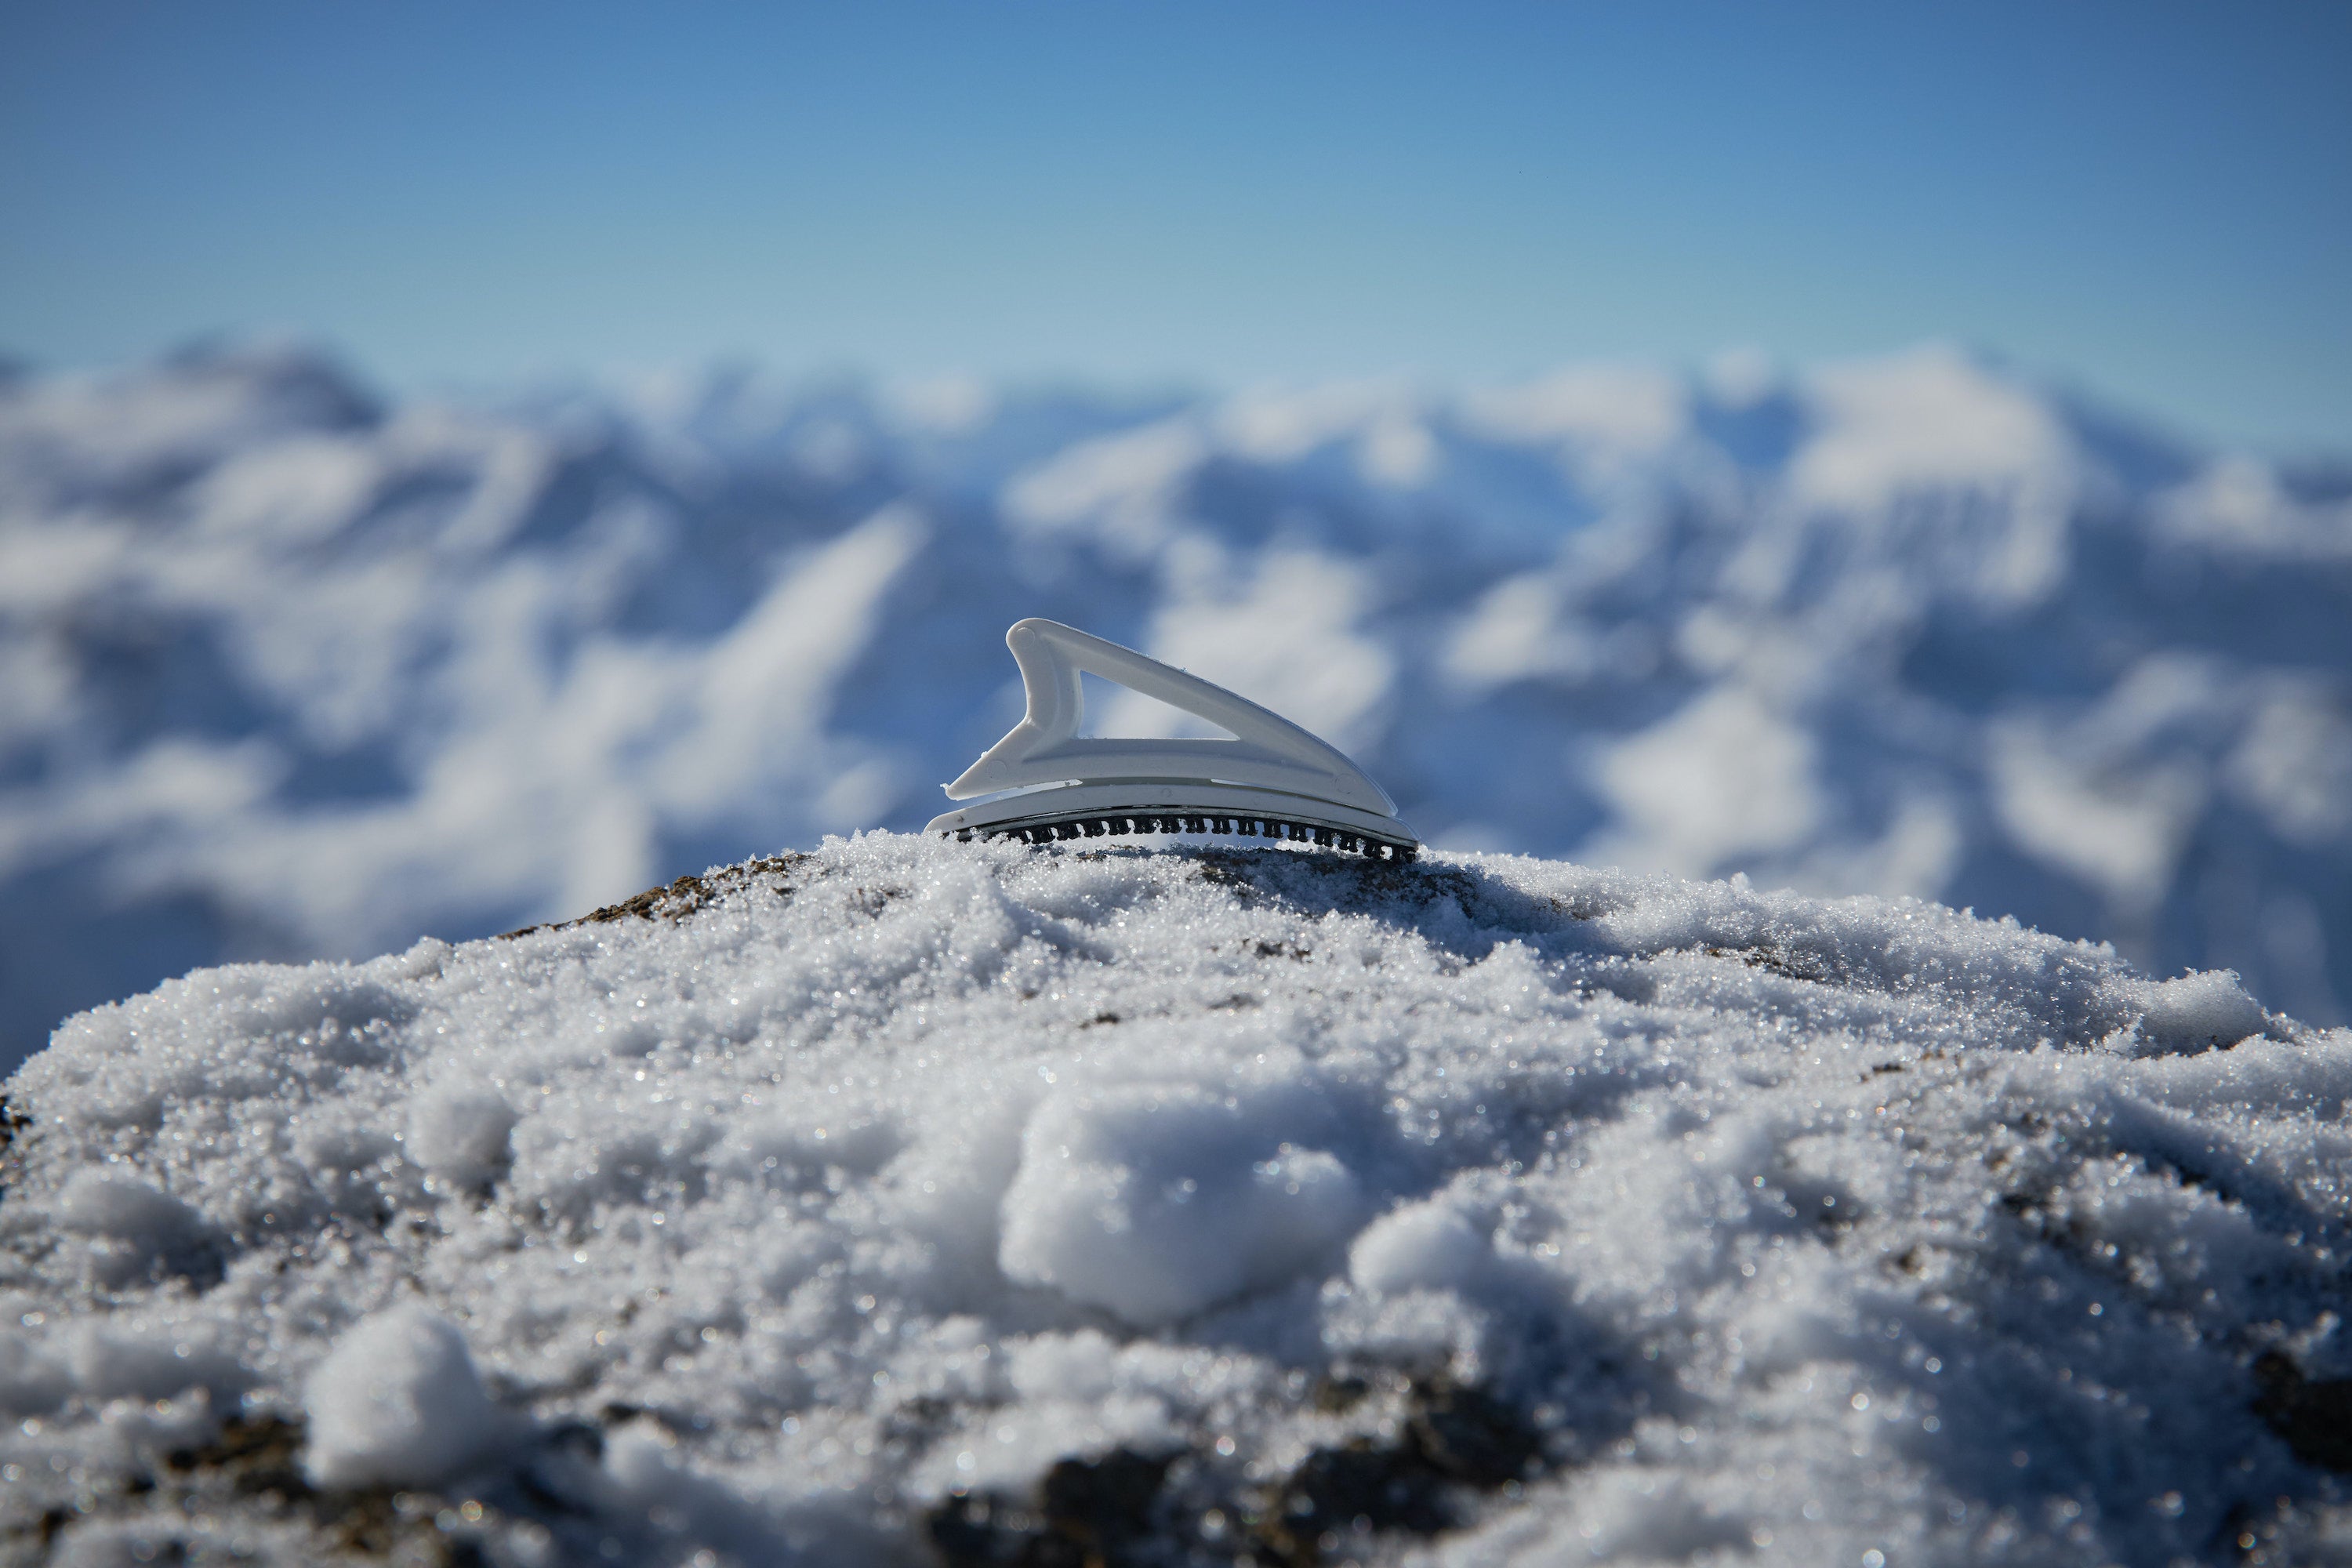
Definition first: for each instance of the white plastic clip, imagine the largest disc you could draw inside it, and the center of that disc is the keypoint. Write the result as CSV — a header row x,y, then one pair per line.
x,y
1273,779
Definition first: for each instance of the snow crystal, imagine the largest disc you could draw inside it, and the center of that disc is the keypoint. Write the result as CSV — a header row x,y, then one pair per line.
x,y
912,1197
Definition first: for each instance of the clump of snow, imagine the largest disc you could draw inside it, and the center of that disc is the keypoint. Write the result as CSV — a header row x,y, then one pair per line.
x,y
129,1225
2196,1012
911,1198
1427,1246
397,1402
1157,1200
460,1134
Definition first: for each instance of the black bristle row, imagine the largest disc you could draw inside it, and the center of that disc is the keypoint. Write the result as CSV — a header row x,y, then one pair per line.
x,y
1194,822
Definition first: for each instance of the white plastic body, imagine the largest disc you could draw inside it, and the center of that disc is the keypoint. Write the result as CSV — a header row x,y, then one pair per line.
x,y
1045,747
1272,768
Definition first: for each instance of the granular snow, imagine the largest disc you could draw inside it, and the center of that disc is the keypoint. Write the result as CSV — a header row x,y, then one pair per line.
x,y
910,1200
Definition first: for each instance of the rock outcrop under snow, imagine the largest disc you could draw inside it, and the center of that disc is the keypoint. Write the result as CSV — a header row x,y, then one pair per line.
x,y
912,1201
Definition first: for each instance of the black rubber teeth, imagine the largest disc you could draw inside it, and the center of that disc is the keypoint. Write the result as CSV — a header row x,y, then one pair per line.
x,y
1187,822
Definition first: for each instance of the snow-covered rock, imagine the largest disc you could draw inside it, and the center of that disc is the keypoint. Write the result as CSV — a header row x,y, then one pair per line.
x,y
288,673
910,1200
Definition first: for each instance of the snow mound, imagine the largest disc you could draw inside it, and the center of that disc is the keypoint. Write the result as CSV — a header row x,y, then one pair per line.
x,y
287,671
911,1201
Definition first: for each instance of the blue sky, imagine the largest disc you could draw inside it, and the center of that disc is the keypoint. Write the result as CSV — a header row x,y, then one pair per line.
x,y
2152,200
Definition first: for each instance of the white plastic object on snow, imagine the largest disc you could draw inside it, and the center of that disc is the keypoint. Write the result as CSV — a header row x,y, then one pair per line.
x,y
1272,780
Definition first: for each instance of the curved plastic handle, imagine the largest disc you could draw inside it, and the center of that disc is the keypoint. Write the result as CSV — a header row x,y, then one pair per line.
x,y
1044,748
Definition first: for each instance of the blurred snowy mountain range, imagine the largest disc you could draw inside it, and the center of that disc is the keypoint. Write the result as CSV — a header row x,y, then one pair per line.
x,y
288,673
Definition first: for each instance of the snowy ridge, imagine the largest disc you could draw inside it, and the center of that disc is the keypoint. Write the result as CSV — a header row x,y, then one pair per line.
x,y
285,672
908,1201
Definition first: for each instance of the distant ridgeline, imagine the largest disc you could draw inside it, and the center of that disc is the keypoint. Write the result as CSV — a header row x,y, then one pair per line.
x,y
287,673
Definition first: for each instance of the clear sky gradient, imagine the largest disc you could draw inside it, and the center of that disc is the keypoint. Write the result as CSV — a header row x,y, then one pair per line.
x,y
2152,200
